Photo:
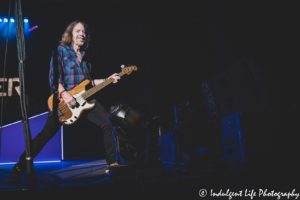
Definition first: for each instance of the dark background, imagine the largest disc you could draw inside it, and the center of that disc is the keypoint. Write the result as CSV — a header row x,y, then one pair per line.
x,y
175,45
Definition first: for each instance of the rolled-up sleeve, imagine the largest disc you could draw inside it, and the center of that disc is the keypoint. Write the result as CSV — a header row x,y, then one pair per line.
x,y
56,73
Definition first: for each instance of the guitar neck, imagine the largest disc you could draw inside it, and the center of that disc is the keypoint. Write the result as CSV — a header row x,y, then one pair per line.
x,y
96,88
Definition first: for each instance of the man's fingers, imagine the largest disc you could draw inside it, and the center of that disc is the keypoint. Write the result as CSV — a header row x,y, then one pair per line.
x,y
71,103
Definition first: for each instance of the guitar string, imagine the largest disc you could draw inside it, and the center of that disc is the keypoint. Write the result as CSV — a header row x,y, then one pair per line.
x,y
80,100
88,93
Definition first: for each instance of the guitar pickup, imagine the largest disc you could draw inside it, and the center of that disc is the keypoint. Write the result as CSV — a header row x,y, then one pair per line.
x,y
59,112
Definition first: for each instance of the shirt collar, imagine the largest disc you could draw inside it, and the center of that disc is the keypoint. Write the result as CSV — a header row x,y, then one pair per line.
x,y
70,47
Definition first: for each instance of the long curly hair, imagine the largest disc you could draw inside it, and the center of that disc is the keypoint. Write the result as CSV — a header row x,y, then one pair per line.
x,y
66,38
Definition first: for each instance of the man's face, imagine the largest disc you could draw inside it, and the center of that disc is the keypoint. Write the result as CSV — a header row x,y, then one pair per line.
x,y
79,36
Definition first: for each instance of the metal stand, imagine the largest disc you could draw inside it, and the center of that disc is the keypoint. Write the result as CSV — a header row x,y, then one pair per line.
x,y
32,183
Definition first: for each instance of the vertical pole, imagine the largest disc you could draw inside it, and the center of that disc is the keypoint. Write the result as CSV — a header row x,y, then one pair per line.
x,y
21,56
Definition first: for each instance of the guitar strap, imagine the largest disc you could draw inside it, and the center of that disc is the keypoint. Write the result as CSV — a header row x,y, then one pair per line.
x,y
87,73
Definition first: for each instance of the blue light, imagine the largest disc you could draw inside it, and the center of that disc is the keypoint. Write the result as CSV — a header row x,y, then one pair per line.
x,y
26,20
5,20
0,20
33,162
12,20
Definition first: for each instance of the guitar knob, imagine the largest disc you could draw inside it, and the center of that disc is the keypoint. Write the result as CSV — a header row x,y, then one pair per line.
x,y
122,66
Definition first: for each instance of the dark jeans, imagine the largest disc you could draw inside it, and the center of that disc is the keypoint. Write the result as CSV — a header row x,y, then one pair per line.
x,y
97,115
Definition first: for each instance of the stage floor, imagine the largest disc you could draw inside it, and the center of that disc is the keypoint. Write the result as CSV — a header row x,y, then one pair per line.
x,y
64,173
86,178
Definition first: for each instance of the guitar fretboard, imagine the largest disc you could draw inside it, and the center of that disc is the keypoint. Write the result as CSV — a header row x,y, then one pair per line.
x,y
96,88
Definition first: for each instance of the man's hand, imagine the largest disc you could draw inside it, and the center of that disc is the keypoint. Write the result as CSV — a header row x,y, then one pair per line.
x,y
115,77
68,98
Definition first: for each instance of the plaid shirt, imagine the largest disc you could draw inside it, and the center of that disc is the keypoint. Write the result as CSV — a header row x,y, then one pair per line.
x,y
66,69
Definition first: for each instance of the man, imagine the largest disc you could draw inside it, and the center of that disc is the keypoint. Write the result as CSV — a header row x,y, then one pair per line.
x,y
67,70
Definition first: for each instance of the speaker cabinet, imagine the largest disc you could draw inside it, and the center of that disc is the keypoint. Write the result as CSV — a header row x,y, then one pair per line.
x,y
167,151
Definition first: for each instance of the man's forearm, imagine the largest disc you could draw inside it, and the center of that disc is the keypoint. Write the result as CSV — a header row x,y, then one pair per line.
x,y
60,88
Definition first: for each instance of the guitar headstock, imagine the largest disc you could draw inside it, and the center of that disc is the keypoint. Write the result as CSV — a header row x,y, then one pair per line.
x,y
127,70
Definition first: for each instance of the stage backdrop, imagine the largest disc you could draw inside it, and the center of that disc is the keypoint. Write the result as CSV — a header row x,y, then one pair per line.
x,y
13,144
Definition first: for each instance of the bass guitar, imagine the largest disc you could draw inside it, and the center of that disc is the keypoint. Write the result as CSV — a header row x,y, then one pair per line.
x,y
69,115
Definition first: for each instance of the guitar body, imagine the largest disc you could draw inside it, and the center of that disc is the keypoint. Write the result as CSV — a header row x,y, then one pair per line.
x,y
67,115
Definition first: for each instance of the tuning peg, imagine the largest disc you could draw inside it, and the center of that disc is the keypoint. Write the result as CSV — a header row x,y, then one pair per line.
x,y
122,66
